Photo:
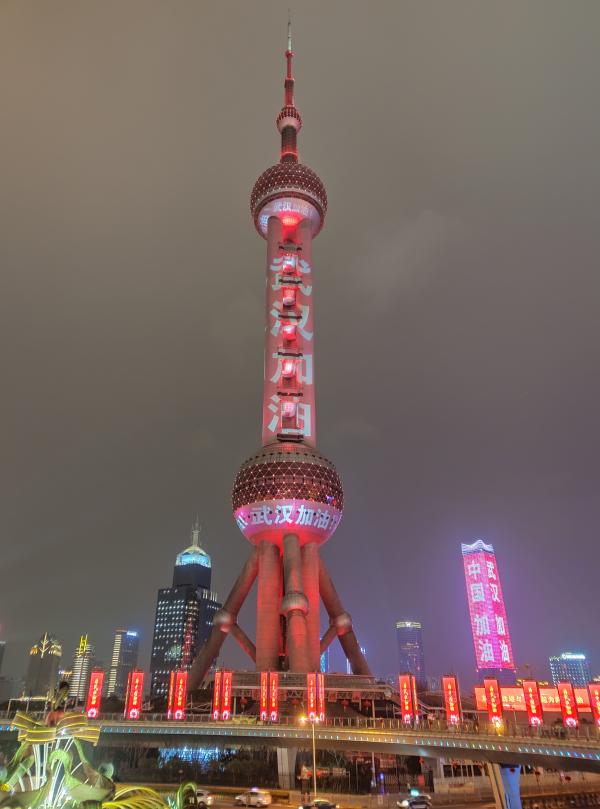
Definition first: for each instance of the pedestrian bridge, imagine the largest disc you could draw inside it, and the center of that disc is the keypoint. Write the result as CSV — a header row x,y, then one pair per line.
x,y
541,747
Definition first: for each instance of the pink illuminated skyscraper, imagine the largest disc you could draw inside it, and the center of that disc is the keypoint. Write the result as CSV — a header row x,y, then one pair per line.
x,y
489,624
287,498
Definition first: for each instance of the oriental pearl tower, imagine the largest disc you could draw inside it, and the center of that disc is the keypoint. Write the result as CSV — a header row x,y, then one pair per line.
x,y
287,498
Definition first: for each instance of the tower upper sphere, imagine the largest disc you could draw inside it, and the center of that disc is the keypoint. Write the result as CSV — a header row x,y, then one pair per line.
x,y
289,189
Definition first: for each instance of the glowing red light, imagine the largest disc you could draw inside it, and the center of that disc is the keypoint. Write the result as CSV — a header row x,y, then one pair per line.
x,y
594,690
451,700
533,703
135,693
311,695
216,706
406,683
274,696
264,695
568,705
493,700
92,706
289,331
289,296
288,368
290,220
226,697
288,410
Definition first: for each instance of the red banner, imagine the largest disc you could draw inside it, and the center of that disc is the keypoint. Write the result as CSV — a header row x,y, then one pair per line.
x,y
311,695
452,700
264,695
594,690
321,696
493,701
135,695
273,696
180,695
407,697
171,695
533,703
216,708
94,695
226,697
568,706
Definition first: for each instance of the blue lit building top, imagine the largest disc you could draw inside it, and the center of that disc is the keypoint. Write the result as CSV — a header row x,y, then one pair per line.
x,y
193,565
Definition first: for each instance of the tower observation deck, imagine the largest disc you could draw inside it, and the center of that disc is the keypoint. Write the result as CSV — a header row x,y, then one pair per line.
x,y
287,498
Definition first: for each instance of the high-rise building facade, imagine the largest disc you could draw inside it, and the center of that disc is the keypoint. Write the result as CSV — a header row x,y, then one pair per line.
x,y
570,667
84,661
287,497
489,623
124,659
411,658
42,667
184,615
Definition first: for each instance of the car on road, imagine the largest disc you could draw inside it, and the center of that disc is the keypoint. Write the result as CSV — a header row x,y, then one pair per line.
x,y
415,800
320,803
204,798
254,797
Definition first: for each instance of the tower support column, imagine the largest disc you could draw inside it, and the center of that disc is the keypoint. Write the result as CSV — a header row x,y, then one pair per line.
x,y
310,581
506,785
268,629
294,605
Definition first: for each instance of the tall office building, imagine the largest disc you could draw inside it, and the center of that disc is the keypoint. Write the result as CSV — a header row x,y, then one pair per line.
x,y
42,668
409,635
184,615
83,663
571,667
124,659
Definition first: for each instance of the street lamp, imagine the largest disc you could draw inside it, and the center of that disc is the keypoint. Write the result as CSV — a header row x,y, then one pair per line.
x,y
313,721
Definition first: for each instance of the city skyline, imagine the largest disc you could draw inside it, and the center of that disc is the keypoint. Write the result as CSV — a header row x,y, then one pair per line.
x,y
472,281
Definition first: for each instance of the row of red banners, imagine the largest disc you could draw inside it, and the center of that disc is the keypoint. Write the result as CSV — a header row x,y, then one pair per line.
x,y
135,693
409,706
269,696
536,700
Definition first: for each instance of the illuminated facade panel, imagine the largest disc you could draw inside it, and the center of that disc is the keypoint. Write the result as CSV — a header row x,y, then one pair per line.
x,y
489,624
409,635
452,700
124,659
94,697
571,667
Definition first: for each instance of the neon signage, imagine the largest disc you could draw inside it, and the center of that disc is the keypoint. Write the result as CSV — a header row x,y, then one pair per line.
x,y
226,696
264,695
594,691
533,703
568,705
408,700
179,695
311,695
216,706
273,696
493,701
321,696
135,693
452,700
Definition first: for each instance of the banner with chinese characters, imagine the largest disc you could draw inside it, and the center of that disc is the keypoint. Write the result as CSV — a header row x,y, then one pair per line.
x,y
493,701
226,695
135,695
264,696
171,695
321,696
311,695
216,706
94,695
452,700
489,624
594,690
408,701
179,695
533,703
273,696
568,706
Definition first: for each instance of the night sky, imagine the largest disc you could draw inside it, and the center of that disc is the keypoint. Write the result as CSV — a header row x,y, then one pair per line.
x,y
457,306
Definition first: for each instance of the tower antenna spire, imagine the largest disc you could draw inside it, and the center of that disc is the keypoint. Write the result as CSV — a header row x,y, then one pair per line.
x,y
289,121
289,38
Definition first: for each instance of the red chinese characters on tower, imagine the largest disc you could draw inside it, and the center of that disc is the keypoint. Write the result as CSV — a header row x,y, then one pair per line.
x,y
493,701
594,692
568,706
533,703
452,700
135,694
94,695
408,701
489,624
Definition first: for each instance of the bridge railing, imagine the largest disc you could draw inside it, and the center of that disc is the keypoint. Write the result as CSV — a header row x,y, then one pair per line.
x,y
468,728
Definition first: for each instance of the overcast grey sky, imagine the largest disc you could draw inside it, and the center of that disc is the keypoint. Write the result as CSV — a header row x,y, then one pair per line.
x,y
457,294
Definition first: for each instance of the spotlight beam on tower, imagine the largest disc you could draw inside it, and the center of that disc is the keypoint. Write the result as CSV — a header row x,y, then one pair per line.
x,y
287,498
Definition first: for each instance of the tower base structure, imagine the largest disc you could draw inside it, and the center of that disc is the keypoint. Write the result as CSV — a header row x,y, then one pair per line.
x,y
288,625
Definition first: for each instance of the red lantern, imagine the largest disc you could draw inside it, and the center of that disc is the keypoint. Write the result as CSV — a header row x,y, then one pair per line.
x,y
345,703
243,701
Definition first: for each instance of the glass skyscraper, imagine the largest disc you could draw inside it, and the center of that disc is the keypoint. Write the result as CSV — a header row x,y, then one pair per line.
x,y
409,635
184,615
124,659
570,667
84,661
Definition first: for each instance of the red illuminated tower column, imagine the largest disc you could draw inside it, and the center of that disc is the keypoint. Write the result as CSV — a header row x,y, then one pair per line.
x,y
287,498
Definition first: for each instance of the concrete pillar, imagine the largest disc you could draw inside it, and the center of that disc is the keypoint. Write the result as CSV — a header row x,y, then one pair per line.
x,y
310,582
268,628
506,787
286,767
294,605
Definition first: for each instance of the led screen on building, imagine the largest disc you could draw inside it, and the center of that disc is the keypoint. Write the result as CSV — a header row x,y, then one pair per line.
x,y
533,703
273,696
311,695
568,706
594,689
94,695
171,696
264,696
216,706
226,695
180,695
489,624
408,702
321,696
493,701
